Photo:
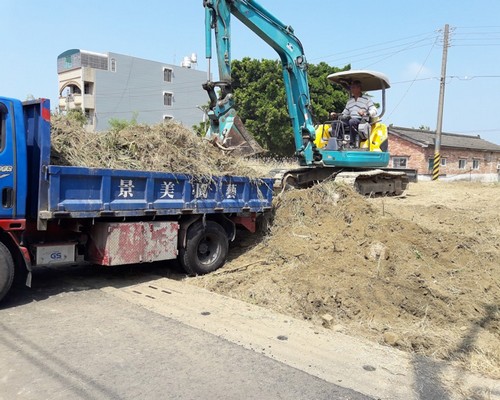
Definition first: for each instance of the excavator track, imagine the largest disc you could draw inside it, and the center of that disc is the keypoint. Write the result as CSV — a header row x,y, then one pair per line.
x,y
375,182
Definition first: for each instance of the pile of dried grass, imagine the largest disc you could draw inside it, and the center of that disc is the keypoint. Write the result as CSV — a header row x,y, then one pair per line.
x,y
167,147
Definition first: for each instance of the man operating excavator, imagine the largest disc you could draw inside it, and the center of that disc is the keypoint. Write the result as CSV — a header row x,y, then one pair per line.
x,y
356,108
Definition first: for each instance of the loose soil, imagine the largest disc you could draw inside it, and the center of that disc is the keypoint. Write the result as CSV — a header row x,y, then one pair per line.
x,y
419,272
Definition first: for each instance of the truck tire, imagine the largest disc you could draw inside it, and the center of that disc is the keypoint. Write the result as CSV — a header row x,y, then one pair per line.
x,y
206,248
6,271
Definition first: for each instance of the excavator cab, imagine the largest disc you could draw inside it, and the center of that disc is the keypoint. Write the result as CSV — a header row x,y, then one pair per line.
x,y
335,135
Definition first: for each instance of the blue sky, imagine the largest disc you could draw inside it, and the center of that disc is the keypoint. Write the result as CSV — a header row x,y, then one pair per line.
x,y
401,39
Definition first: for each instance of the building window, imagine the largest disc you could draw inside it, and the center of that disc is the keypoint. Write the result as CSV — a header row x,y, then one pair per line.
x,y
431,163
168,98
167,74
400,162
462,163
475,164
113,65
168,118
88,87
68,62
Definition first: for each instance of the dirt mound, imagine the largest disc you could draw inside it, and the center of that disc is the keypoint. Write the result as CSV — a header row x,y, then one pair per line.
x,y
168,147
368,267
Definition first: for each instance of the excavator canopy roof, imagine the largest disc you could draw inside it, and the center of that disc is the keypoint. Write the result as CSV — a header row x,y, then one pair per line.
x,y
370,80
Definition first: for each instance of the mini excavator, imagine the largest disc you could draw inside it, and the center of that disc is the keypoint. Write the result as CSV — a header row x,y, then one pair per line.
x,y
321,152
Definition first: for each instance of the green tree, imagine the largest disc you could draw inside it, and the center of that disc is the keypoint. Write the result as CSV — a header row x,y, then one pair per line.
x,y
117,124
261,102
325,96
77,116
201,128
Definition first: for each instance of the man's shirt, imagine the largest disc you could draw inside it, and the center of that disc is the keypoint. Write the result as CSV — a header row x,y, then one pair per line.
x,y
361,103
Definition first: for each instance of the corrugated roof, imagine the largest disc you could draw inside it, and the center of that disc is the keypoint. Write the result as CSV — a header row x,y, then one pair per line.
x,y
426,138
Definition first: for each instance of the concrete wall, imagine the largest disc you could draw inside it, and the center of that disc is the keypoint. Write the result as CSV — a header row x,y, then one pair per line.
x,y
418,158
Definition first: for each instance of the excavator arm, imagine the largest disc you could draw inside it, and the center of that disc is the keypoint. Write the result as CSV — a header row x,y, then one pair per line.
x,y
224,124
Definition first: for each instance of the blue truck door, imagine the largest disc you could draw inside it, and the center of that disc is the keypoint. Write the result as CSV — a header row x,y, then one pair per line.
x,y
7,160
12,160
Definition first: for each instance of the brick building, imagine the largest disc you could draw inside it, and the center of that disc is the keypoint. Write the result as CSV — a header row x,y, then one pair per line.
x,y
463,157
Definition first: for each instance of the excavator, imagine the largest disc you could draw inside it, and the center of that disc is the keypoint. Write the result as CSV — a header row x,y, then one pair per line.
x,y
321,153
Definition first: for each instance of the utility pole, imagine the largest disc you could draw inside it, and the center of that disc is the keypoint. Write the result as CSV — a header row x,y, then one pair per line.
x,y
437,145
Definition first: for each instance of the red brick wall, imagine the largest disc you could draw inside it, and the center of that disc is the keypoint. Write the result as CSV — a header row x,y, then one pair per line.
x,y
418,158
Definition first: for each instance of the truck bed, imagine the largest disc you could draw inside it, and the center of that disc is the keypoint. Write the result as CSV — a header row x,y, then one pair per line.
x,y
77,192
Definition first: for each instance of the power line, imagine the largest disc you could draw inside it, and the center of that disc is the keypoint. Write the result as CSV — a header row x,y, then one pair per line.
x,y
476,45
462,78
468,78
368,47
381,52
414,80
478,27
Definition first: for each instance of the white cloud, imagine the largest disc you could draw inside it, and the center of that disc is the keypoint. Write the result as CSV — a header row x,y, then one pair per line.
x,y
417,70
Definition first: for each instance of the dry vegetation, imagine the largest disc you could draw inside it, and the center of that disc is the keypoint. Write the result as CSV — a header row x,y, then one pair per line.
x,y
165,147
420,272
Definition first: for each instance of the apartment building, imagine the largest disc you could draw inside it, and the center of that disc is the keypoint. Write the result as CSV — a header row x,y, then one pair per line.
x,y
115,86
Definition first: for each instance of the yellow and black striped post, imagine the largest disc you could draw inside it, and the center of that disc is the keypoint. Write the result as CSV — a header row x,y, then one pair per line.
x,y
435,167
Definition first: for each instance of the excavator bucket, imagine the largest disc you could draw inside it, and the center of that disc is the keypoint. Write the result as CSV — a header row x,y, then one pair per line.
x,y
236,140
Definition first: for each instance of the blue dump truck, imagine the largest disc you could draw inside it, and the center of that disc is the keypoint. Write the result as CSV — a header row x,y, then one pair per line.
x,y
53,215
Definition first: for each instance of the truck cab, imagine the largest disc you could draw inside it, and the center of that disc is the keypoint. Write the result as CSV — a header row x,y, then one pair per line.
x,y
25,148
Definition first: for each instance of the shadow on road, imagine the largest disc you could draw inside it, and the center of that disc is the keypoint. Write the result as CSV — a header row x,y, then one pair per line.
x,y
429,373
51,281
73,379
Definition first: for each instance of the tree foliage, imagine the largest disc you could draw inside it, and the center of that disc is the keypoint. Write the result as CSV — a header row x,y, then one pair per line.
x,y
77,116
117,124
261,102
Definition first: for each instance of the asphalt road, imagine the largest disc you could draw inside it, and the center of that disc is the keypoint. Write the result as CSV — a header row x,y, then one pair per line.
x,y
67,339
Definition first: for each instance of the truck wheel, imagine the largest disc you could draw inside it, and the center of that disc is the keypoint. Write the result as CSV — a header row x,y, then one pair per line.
x,y
206,248
6,271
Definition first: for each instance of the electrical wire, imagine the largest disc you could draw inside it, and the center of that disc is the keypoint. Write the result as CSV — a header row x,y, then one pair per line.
x,y
380,53
367,47
413,81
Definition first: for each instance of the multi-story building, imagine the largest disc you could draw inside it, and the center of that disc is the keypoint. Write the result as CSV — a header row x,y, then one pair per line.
x,y
463,157
116,86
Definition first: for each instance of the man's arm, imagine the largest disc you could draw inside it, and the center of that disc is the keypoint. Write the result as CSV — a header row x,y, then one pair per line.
x,y
372,110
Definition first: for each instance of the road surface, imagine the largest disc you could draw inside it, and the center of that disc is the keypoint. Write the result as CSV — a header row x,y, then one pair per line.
x,y
68,339
139,332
